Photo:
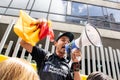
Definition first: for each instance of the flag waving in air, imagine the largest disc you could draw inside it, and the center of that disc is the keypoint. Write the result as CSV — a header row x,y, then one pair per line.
x,y
32,30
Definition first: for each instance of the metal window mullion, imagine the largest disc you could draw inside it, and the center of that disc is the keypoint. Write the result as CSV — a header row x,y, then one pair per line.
x,y
8,6
88,13
32,6
69,8
27,4
9,48
49,10
7,32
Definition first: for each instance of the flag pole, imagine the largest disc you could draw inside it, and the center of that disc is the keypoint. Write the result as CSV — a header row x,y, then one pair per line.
x,y
49,9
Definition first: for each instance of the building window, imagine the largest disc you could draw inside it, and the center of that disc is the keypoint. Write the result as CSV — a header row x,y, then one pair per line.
x,y
78,14
14,12
56,17
95,12
114,15
113,0
38,14
80,10
2,10
58,6
76,20
41,5
96,16
22,4
64,11
5,3
97,23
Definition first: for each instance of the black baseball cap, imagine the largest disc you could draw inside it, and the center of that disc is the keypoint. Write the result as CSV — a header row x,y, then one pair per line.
x,y
68,34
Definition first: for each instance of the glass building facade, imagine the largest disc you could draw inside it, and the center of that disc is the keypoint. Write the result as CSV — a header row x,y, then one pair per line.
x,y
65,11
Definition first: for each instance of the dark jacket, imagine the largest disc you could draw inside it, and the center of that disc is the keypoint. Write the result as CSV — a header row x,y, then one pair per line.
x,y
51,67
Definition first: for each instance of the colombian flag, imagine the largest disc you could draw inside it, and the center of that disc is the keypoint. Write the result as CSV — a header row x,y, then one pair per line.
x,y
32,30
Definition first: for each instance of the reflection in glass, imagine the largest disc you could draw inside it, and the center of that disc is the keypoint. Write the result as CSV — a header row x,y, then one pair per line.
x,y
95,12
12,12
5,3
57,17
118,0
115,26
114,15
76,20
97,23
58,6
2,10
38,15
106,24
19,4
106,18
79,9
41,5
113,0
30,4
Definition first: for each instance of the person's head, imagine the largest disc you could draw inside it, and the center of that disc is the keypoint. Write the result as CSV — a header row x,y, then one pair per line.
x,y
98,76
61,41
17,69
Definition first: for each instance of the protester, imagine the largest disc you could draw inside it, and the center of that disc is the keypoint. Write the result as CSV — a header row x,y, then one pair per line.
x,y
17,69
55,66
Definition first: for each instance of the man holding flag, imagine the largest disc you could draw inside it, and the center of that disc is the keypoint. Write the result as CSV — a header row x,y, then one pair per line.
x,y
54,66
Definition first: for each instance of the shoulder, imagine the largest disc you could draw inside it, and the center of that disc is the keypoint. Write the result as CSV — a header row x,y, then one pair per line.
x,y
39,52
48,55
37,49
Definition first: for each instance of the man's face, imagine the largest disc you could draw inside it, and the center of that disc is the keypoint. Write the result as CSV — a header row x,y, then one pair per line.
x,y
60,46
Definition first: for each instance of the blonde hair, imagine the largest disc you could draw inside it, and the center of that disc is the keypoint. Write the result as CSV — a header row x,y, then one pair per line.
x,y
17,69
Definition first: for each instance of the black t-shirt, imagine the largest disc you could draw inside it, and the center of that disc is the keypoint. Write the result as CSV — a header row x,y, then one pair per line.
x,y
51,67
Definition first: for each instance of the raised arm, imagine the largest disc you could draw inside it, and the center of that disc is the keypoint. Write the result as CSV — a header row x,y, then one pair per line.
x,y
76,57
26,45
